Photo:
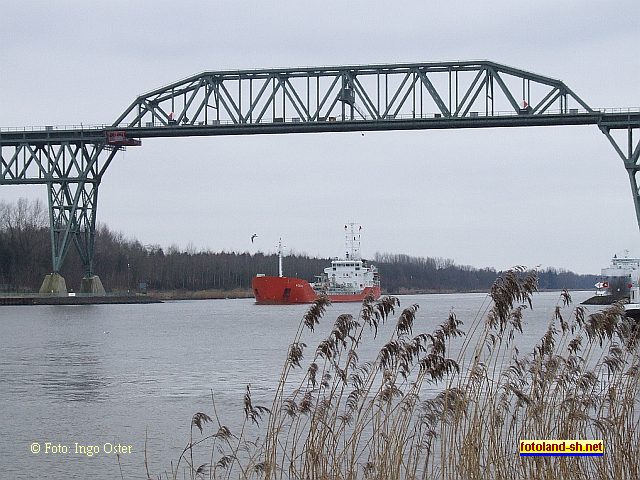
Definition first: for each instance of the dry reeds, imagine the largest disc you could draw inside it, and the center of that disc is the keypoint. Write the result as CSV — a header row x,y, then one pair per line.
x,y
414,411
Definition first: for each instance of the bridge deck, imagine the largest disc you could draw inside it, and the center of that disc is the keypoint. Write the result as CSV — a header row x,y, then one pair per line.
x,y
96,134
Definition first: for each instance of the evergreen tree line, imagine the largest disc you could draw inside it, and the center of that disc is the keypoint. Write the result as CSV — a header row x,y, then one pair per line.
x,y
124,264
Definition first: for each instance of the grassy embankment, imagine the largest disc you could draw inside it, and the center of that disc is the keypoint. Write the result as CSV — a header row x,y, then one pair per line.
x,y
200,294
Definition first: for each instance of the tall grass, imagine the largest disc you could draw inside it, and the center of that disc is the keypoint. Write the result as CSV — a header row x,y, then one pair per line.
x,y
415,412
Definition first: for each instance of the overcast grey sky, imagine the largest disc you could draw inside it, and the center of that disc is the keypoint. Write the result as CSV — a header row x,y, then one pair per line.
x,y
554,196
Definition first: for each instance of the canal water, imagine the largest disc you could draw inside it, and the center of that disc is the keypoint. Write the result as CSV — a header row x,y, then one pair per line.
x,y
83,388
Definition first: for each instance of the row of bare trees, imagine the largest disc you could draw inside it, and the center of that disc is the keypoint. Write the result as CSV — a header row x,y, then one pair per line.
x,y
25,252
124,264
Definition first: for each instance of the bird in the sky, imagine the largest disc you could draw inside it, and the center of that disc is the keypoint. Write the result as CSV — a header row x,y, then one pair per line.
x,y
253,237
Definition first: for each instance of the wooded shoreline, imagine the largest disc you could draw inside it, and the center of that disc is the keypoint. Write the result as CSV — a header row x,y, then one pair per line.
x,y
125,265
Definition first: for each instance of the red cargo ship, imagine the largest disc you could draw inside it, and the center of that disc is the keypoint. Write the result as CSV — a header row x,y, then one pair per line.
x,y
346,280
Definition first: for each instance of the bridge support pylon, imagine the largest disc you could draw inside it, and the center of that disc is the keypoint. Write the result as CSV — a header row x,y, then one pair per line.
x,y
71,168
73,202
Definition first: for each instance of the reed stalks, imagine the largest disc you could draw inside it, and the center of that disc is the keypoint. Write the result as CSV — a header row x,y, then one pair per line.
x,y
414,411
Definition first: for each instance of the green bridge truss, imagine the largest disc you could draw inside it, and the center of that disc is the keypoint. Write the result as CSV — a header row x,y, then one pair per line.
x,y
71,161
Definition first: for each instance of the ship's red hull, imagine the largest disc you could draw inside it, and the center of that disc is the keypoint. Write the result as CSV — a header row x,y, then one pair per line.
x,y
290,290
282,290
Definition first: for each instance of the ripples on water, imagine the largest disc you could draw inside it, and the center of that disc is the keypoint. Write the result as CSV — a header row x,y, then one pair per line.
x,y
108,373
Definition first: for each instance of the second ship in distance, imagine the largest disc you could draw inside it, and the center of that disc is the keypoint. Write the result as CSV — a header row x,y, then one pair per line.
x,y
349,279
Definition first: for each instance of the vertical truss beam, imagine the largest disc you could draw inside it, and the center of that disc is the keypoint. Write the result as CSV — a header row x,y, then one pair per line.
x,y
629,152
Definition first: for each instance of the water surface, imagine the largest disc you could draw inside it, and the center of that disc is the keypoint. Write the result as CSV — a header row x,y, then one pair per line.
x,y
107,375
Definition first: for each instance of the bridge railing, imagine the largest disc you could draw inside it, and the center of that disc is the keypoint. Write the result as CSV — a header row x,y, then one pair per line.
x,y
48,128
295,119
370,118
337,118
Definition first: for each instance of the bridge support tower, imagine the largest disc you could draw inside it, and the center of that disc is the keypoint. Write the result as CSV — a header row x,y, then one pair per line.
x,y
72,170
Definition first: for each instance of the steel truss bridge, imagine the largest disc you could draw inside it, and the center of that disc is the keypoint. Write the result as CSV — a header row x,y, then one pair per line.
x,y
71,161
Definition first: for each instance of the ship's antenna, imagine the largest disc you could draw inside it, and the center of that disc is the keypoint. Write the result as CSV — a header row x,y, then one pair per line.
x,y
352,240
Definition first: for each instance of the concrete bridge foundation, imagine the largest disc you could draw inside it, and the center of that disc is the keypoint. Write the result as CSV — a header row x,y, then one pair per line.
x,y
54,285
92,285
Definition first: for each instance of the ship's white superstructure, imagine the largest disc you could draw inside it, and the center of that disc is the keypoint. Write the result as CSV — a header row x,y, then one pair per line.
x,y
617,278
621,266
350,275
632,309
621,279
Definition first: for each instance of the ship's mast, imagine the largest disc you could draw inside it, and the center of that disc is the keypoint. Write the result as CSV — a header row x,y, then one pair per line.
x,y
280,257
352,241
